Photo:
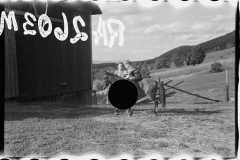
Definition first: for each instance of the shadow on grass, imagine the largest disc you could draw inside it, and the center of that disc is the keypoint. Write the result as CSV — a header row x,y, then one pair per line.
x,y
179,111
189,112
170,94
205,102
52,111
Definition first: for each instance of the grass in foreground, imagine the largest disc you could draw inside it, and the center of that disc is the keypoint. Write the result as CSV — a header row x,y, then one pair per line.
x,y
195,129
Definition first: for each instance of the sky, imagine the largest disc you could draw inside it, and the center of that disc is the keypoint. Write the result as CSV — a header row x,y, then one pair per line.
x,y
156,27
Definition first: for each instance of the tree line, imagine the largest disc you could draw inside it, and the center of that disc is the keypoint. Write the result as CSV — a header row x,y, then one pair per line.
x,y
195,56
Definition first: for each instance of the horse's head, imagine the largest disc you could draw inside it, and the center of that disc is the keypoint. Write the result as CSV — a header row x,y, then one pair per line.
x,y
107,80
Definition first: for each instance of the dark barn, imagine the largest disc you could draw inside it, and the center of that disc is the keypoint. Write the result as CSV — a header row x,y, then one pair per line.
x,y
47,69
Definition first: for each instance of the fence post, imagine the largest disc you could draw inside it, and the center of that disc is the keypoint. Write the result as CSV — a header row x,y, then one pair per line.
x,y
94,97
107,101
162,97
227,85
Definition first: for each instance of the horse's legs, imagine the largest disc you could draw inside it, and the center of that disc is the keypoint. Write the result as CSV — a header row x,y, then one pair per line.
x,y
116,111
153,99
130,112
156,106
162,97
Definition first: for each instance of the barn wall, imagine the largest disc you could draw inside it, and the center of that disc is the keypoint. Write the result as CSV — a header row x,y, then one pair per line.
x,y
48,67
11,71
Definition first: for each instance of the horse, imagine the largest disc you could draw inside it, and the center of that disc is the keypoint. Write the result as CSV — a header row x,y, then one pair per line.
x,y
100,93
147,85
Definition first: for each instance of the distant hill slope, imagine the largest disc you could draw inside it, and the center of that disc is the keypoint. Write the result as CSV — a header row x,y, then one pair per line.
x,y
104,65
209,45
220,41
183,50
99,62
179,50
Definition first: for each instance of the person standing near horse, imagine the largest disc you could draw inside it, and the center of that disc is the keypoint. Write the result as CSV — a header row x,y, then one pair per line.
x,y
121,72
133,75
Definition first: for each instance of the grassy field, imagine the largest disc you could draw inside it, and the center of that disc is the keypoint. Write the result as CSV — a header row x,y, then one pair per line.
x,y
226,57
189,124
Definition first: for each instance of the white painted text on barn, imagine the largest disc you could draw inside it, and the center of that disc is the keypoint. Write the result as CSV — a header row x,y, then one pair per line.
x,y
62,35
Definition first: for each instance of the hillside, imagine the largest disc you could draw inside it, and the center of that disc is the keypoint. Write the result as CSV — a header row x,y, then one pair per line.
x,y
220,42
104,65
100,62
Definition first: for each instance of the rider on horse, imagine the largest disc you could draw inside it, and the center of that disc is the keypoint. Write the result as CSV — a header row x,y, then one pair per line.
x,y
121,72
133,74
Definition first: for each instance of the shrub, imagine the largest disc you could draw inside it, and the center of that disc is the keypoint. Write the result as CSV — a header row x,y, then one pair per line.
x,y
150,68
178,61
196,56
162,63
157,63
229,45
216,67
